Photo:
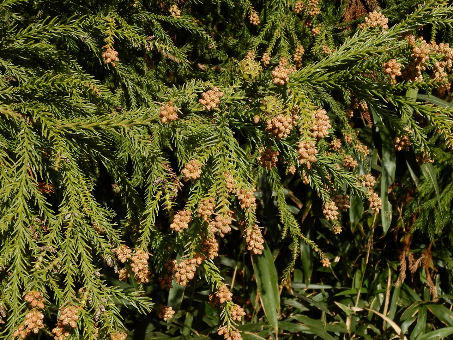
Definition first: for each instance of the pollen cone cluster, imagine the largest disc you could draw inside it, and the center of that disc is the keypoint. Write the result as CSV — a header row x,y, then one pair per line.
x,y
224,294
229,334
118,336
220,225
210,99
254,240
181,220
402,143
335,144
321,124
206,208
330,211
175,11
210,247
34,318
254,18
35,299
341,201
33,323
139,266
375,202
268,158
307,152
297,58
67,320
123,253
110,55
392,68
166,313
237,313
281,74
229,182
266,59
350,162
376,19
185,270
368,181
280,126
299,7
123,274
192,170
247,199
168,113
313,7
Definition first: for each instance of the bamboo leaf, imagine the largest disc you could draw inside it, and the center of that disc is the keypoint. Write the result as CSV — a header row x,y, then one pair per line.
x,y
345,308
420,327
436,101
437,334
296,304
409,292
267,282
393,302
353,291
319,324
251,336
321,333
412,94
412,171
355,210
406,324
391,323
388,169
310,286
429,173
442,313
187,323
175,295
318,305
292,327
307,253
411,311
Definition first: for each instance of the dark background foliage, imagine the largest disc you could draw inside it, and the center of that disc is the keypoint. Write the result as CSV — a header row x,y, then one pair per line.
x,y
88,165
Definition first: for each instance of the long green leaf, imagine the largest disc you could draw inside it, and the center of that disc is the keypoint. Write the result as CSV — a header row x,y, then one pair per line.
x,y
251,336
322,334
393,302
267,282
187,323
310,286
292,327
306,328
429,173
319,324
353,291
296,304
412,172
306,252
355,210
409,292
420,327
345,308
406,324
388,169
436,101
317,304
391,323
175,295
437,334
442,313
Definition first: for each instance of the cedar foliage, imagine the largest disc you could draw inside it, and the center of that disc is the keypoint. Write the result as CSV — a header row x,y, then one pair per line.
x,y
137,137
